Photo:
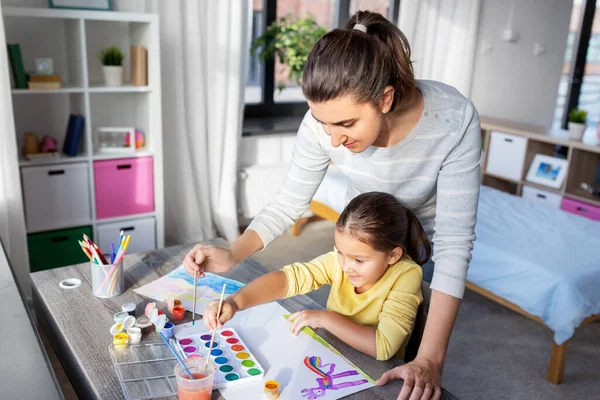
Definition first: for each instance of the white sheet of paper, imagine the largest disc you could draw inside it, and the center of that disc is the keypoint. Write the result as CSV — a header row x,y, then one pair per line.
x,y
181,285
266,331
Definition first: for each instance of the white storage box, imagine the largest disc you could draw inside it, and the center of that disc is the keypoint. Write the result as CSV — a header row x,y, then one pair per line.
x,y
542,196
506,155
142,231
56,196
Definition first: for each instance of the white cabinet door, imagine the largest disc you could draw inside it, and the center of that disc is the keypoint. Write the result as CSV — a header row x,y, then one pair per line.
x,y
506,155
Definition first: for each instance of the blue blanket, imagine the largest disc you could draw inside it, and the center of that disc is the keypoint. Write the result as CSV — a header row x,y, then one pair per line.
x,y
544,260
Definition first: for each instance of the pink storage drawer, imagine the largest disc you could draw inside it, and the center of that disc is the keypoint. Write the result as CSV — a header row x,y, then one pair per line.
x,y
124,186
581,208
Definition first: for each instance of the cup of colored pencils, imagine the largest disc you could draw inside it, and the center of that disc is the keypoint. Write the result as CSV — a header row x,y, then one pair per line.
x,y
108,279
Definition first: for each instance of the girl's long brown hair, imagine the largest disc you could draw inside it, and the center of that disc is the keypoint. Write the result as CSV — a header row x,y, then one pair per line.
x,y
348,61
379,220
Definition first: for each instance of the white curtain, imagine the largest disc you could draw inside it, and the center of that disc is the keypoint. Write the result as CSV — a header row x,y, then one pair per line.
x,y
12,219
204,47
443,38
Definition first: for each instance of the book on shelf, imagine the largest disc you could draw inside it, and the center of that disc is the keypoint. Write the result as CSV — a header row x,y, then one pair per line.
x,y
42,156
43,85
16,64
73,135
44,78
139,65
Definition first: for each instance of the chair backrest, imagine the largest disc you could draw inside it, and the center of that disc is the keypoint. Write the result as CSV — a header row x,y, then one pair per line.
x,y
412,348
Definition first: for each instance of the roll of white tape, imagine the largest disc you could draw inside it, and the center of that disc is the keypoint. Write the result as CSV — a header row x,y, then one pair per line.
x,y
70,283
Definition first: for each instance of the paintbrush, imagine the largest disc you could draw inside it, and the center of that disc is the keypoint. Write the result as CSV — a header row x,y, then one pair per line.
x,y
179,360
194,305
212,339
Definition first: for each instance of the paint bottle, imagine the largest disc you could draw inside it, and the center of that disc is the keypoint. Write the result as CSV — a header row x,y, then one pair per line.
x,y
178,313
129,308
271,390
168,330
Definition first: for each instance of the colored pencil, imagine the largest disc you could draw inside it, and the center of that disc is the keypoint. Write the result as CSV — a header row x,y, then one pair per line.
x,y
113,281
123,250
212,339
179,360
95,254
194,305
85,250
102,258
112,253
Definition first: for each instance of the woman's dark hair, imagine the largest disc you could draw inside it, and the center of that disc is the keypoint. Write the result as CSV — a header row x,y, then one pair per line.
x,y
379,220
349,61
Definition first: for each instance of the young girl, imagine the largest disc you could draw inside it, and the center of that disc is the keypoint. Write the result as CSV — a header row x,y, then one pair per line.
x,y
374,273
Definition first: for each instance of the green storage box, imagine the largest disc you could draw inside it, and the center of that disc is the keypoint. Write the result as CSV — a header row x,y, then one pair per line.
x,y
56,248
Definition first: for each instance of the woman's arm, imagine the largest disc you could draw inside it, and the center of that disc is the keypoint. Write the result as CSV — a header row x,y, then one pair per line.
x,y
307,169
438,328
308,166
458,186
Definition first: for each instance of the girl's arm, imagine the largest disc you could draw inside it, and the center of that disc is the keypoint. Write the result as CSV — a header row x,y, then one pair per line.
x,y
361,337
293,279
396,320
270,287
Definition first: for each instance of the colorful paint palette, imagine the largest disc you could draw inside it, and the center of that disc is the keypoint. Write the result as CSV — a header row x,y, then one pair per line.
x,y
234,360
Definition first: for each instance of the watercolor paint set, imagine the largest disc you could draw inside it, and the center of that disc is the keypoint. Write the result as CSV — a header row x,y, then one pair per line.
x,y
234,361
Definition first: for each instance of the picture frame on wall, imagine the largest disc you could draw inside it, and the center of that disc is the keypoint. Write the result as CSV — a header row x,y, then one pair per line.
x,y
547,170
102,5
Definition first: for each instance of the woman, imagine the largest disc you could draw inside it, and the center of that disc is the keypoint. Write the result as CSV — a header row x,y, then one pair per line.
x,y
417,140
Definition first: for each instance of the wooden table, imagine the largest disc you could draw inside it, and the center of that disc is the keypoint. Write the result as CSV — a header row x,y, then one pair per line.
x,y
77,323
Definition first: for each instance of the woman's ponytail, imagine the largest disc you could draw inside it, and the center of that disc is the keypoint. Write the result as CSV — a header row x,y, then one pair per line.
x,y
417,242
396,42
361,64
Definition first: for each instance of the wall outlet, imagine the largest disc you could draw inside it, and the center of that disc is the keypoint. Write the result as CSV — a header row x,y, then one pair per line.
x,y
510,35
539,49
485,48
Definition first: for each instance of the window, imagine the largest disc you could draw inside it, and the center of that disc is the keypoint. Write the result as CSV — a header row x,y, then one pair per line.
x,y
386,8
255,67
263,99
323,11
579,85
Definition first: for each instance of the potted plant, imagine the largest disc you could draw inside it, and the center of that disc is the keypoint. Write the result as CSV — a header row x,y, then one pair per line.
x,y
577,124
112,66
291,41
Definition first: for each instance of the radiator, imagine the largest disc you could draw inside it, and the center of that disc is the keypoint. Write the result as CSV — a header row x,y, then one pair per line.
x,y
257,185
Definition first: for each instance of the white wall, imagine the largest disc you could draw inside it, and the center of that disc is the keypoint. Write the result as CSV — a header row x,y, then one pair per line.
x,y
510,82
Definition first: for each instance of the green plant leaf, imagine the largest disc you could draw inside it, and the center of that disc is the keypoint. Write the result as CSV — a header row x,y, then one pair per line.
x,y
290,41
111,56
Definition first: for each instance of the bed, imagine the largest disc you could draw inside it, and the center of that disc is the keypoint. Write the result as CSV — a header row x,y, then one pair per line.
x,y
541,262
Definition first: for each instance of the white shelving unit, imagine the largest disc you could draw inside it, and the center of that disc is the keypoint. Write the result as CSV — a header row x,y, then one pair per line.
x,y
73,39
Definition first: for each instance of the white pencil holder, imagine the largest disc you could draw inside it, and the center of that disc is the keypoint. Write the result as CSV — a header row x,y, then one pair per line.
x,y
108,280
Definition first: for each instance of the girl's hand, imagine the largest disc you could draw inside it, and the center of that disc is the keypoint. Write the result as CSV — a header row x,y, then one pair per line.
x,y
312,318
228,310
204,258
422,380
